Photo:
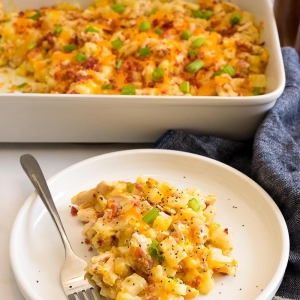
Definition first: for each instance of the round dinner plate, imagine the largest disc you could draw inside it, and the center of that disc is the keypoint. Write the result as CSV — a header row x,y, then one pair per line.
x,y
260,236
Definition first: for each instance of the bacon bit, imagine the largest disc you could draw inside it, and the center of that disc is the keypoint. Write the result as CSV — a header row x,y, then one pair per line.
x,y
82,77
137,204
151,84
74,211
243,47
228,32
74,92
49,38
100,242
21,14
138,251
139,187
90,63
195,283
90,249
87,241
216,270
115,210
226,230
100,214
129,79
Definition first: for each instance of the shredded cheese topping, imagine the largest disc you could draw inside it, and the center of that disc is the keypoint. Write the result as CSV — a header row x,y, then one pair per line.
x,y
128,47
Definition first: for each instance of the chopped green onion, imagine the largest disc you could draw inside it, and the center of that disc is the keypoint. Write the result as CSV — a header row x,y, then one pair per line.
x,y
35,16
117,44
186,35
194,204
153,12
208,14
91,29
197,14
235,18
81,57
157,74
20,86
197,43
195,66
151,215
130,187
256,91
218,73
58,29
185,87
228,69
69,48
145,25
32,46
158,31
192,52
128,90
118,8
119,64
202,15
106,86
153,249
145,51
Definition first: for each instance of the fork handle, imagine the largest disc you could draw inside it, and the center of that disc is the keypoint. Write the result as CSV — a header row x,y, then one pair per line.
x,y
35,174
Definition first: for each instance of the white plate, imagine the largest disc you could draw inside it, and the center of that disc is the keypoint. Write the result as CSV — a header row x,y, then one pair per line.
x,y
260,236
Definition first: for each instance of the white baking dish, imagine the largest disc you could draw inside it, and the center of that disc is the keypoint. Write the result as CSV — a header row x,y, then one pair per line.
x,y
97,118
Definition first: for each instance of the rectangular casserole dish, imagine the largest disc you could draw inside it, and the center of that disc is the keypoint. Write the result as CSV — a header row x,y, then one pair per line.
x,y
135,119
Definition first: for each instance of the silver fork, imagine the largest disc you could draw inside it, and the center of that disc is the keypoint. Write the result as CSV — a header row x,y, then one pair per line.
x,y
72,275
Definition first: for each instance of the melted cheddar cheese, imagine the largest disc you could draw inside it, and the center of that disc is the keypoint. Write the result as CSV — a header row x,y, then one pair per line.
x,y
153,241
128,47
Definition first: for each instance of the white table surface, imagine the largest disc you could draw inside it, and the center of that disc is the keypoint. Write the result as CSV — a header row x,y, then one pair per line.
x,y
15,188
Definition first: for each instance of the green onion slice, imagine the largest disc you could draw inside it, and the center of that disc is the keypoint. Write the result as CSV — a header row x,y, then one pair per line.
x,y
145,51
192,52
35,16
186,35
119,64
118,8
197,43
117,44
58,29
228,69
195,66
69,48
145,25
256,91
158,73
151,215
194,204
153,12
106,86
32,46
158,31
130,187
207,14
128,90
20,86
153,249
235,18
91,29
202,15
185,87
81,57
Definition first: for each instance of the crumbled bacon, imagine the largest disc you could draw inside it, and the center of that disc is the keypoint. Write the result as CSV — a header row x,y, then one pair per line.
x,y
74,211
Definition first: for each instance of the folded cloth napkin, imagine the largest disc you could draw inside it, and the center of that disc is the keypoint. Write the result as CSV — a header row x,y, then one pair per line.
x,y
272,159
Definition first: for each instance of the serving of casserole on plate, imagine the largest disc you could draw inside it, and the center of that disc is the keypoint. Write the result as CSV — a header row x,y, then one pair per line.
x,y
210,67
259,234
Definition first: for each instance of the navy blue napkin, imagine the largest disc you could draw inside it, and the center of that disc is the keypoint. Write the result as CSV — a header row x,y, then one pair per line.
x,y
272,159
